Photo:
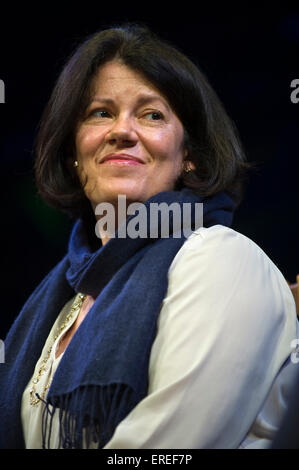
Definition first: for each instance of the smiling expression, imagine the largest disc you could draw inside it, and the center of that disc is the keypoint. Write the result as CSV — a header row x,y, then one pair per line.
x,y
129,141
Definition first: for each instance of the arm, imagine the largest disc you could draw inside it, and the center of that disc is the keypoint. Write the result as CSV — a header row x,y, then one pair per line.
x,y
295,291
224,331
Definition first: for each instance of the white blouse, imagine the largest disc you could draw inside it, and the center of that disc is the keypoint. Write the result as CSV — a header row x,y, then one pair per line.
x,y
220,368
32,408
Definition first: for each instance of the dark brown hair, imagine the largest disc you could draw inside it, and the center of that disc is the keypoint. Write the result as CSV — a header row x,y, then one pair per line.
x,y
210,135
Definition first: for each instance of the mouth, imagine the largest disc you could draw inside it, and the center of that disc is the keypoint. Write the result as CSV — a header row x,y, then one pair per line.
x,y
121,159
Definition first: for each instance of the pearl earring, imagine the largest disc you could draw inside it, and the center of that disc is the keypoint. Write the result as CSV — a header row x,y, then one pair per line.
x,y
76,163
187,168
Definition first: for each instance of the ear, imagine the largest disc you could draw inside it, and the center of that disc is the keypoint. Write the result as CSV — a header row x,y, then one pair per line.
x,y
186,162
189,164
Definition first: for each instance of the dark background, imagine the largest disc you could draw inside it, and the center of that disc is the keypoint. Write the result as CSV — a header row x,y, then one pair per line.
x,y
250,57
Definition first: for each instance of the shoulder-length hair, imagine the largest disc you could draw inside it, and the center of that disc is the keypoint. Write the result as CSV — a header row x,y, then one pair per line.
x,y
210,135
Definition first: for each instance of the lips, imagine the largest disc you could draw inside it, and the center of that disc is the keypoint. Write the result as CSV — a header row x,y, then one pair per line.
x,y
121,158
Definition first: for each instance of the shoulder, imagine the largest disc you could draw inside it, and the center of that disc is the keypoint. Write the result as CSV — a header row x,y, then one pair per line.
x,y
220,243
219,262
219,235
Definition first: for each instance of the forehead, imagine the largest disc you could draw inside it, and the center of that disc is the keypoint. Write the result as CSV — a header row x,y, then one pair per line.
x,y
116,77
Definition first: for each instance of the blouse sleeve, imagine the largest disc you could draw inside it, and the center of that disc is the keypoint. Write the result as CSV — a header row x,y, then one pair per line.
x,y
224,331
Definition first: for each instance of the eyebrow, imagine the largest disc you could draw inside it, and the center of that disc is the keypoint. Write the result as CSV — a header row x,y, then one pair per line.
x,y
141,100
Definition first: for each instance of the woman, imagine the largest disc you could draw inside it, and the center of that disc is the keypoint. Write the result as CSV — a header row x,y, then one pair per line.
x,y
148,341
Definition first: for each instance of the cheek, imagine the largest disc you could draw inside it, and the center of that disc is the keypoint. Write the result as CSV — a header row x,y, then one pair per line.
x,y
88,141
162,144
86,144
168,149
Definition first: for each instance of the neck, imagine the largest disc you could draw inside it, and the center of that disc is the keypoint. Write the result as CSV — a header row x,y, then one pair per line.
x,y
110,216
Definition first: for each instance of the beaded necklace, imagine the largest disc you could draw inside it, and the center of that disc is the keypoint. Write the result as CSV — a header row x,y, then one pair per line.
x,y
35,398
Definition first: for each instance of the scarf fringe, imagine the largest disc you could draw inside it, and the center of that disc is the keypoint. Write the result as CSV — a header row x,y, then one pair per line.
x,y
87,416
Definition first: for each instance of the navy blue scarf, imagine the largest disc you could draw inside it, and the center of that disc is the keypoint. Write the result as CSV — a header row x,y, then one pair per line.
x,y
103,373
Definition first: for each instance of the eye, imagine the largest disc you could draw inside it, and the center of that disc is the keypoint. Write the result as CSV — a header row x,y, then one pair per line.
x,y
101,113
154,116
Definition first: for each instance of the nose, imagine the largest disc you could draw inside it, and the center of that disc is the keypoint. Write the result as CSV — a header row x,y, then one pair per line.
x,y
122,132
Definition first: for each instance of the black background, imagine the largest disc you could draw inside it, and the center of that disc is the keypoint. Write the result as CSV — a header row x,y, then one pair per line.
x,y
250,56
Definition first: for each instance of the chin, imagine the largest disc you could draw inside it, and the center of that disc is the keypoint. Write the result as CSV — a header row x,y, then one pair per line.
x,y
112,198
132,195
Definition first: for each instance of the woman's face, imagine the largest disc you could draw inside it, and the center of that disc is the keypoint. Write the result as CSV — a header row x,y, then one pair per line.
x,y
130,141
